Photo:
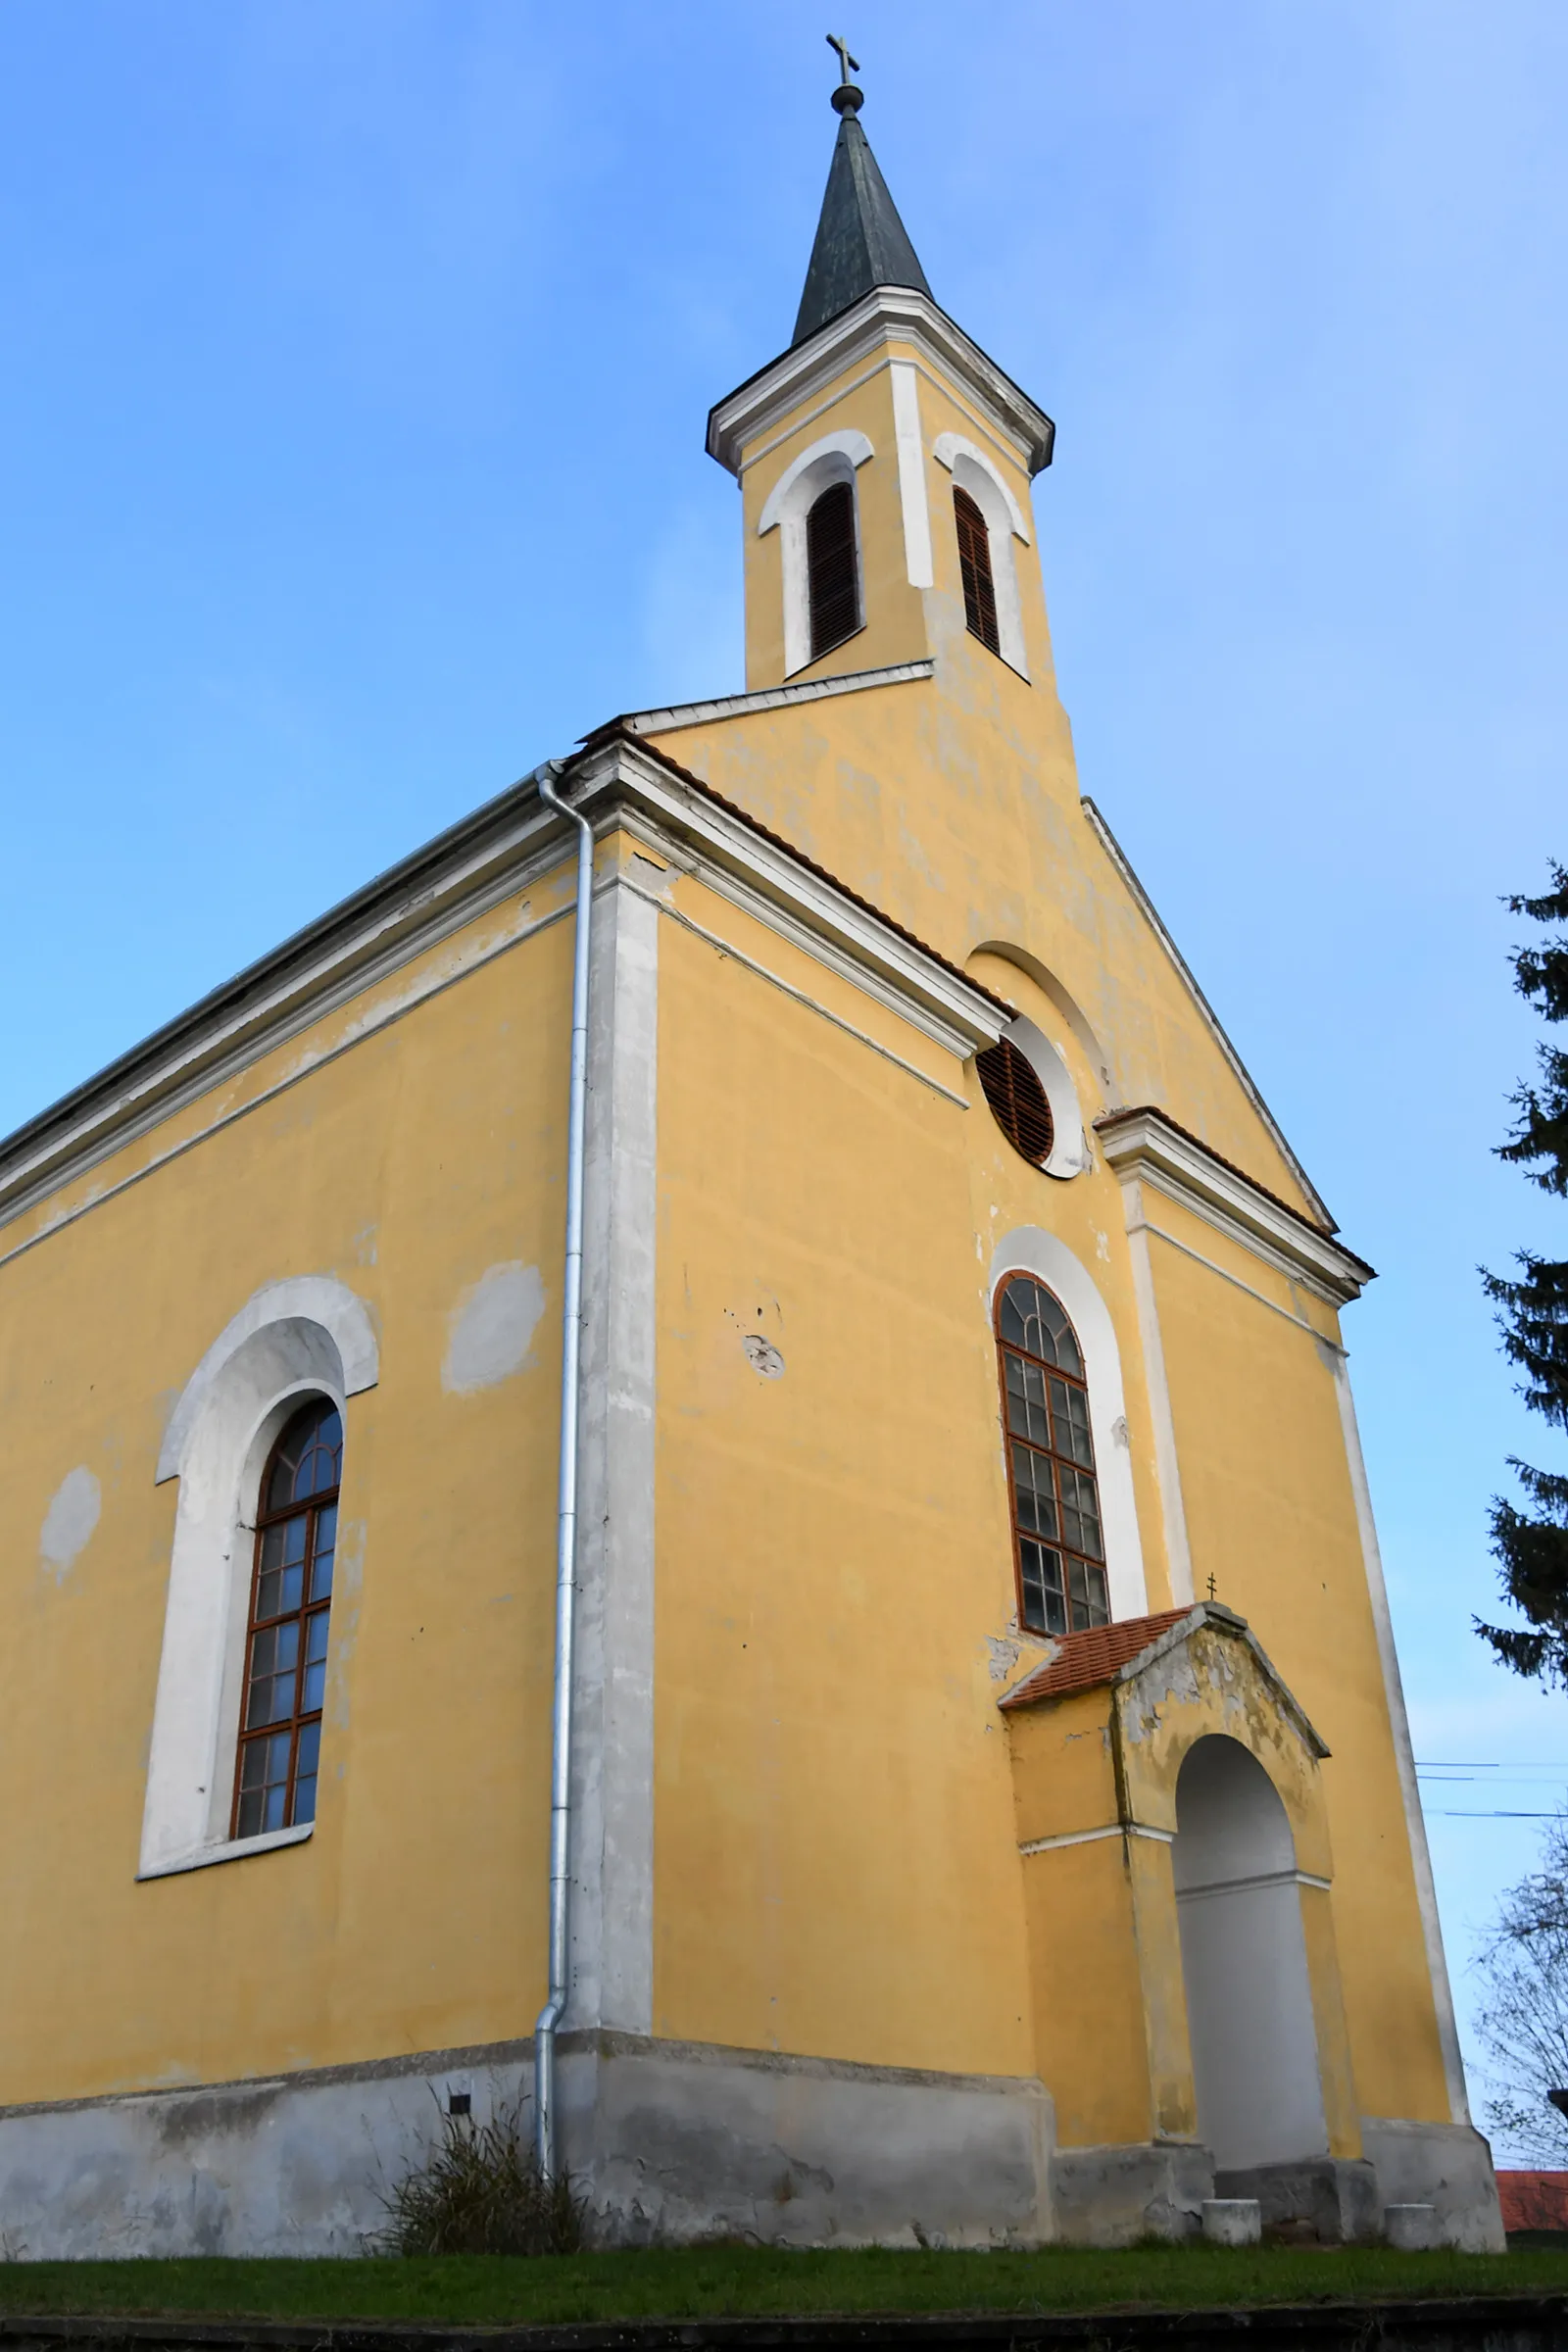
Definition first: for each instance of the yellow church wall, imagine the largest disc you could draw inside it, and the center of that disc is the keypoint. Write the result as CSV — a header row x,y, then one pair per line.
x,y
834,1553
1064,1774
726,929
1088,1992
1336,2065
971,833
1173,2109
1271,1515
1110,2019
413,1916
953,804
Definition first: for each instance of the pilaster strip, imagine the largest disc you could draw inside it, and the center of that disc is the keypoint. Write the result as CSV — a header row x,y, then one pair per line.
x,y
910,454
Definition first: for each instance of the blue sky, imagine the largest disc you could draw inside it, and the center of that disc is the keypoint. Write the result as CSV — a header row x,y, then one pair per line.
x,y
357,357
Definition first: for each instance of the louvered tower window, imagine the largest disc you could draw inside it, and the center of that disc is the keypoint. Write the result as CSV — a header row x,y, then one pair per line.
x,y
974,562
833,575
1058,1548
1012,1086
285,1650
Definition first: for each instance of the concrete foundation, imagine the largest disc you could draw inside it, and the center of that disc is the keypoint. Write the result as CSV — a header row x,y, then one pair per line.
x,y
676,2142
668,2141
1325,2199
1112,2196
692,2143
1446,2166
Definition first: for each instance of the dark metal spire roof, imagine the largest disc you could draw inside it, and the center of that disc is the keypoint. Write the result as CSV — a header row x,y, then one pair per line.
x,y
860,241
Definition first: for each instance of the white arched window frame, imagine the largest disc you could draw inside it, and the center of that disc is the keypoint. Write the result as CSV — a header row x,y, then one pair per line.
x,y
836,458
308,1335
972,471
1069,1143
1030,1250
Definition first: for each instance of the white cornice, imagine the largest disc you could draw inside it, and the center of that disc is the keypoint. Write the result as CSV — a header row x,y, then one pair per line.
x,y
888,314
1148,1144
768,880
767,698
462,875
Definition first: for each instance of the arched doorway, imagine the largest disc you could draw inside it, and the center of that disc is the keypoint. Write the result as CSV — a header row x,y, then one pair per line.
x,y
1243,1959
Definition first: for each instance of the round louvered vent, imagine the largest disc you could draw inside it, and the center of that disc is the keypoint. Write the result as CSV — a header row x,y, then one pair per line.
x,y
1018,1101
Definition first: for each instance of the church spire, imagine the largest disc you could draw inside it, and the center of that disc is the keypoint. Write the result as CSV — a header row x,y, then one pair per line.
x,y
860,241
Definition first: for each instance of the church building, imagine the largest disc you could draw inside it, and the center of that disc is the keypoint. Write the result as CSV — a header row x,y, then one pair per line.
x,y
721,1507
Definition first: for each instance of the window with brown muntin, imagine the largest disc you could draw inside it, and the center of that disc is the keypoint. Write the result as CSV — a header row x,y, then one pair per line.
x,y
974,564
285,1648
832,568
1057,1539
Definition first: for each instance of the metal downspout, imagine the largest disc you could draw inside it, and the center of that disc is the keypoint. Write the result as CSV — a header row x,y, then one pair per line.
x,y
545,2135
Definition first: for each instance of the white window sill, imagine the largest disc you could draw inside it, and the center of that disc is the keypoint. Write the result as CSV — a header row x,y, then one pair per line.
x,y
235,1850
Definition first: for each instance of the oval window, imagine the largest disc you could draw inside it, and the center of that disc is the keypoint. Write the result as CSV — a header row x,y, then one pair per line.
x,y
1012,1086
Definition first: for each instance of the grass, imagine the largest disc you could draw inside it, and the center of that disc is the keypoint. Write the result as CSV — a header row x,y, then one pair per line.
x,y
708,2282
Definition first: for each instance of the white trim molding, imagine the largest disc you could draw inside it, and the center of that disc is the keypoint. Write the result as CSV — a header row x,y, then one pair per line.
x,y
1156,1384
697,829
917,511
974,473
772,697
1029,1250
481,868
309,1335
612,1865
853,447
1146,1143
233,1849
886,314
350,1360
1071,1154
949,448
1116,1828
835,457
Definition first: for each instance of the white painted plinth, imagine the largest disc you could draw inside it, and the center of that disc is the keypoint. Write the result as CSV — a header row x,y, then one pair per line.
x,y
1413,2228
1233,2220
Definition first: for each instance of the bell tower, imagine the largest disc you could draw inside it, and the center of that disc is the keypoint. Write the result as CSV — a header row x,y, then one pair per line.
x,y
885,464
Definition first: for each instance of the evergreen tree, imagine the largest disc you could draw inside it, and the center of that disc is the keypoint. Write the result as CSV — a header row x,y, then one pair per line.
x,y
1532,1544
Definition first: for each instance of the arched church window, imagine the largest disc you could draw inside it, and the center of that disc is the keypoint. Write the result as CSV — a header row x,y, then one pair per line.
x,y
1012,1086
974,564
1057,1543
285,1648
832,568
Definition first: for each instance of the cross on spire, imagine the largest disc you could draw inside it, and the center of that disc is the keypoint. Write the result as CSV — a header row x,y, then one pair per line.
x,y
848,65
860,241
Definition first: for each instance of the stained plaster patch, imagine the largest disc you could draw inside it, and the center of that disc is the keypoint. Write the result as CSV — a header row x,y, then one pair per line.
x,y
1180,1684
69,1521
491,1328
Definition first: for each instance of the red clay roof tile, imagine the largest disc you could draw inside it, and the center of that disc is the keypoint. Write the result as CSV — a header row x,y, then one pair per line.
x,y
1533,2200
1081,1661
